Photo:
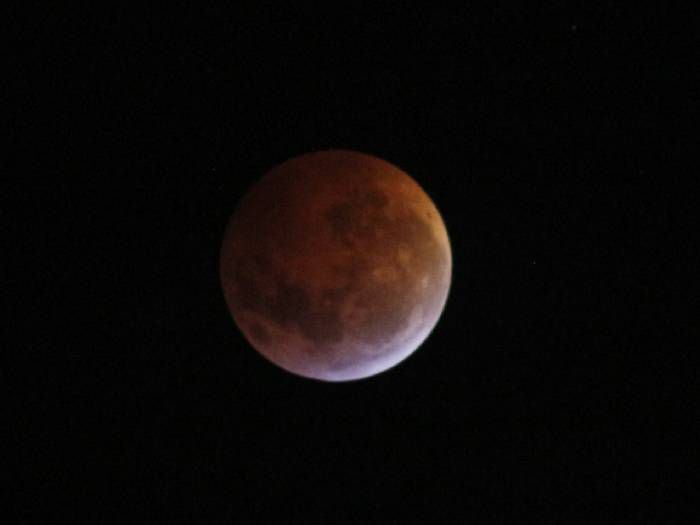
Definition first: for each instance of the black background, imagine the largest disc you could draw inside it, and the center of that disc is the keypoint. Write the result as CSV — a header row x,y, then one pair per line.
x,y
549,138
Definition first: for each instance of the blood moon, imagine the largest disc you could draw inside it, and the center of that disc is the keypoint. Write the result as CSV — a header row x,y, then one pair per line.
x,y
336,265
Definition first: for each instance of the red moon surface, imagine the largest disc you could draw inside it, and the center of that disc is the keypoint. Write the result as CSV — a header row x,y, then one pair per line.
x,y
336,265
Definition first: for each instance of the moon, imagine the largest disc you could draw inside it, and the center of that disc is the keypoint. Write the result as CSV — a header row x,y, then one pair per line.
x,y
336,265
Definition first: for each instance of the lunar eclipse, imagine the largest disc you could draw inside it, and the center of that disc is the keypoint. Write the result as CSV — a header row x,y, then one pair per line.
x,y
336,265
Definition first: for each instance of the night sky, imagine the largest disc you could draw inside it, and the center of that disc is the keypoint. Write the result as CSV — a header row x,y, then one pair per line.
x,y
549,139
